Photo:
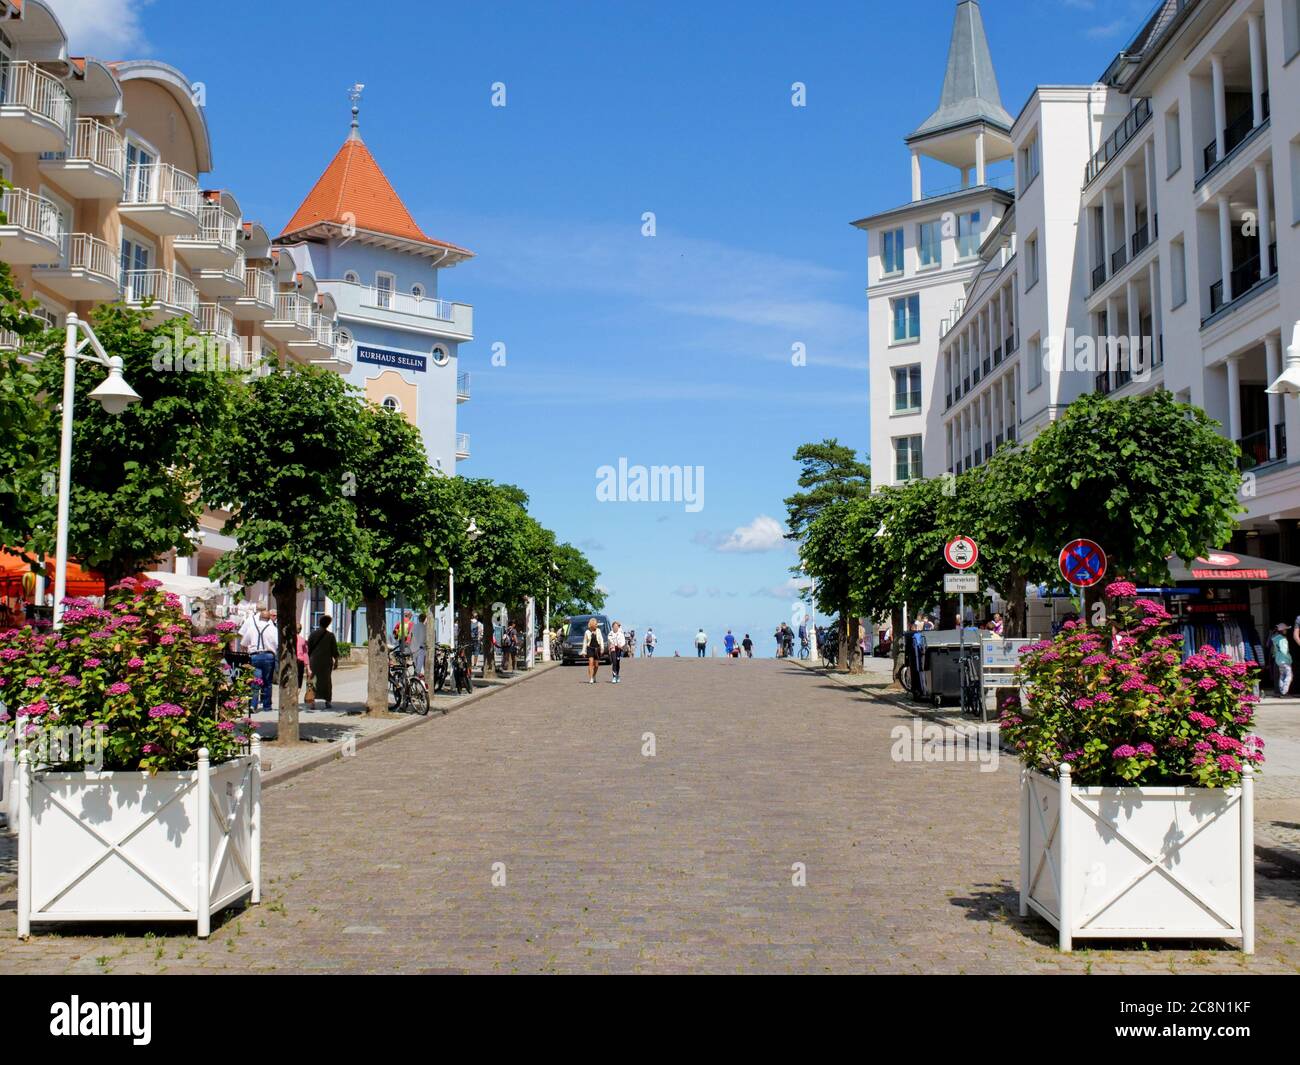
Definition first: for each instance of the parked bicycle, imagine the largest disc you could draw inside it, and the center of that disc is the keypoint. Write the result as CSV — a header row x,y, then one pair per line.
x,y
407,692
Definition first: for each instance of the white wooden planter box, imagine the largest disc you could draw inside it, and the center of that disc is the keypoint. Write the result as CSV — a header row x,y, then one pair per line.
x,y
128,846
1149,863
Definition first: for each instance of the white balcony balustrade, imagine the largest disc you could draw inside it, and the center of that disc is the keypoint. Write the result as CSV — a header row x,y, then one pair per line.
x,y
87,270
291,321
168,295
215,245
462,386
32,231
35,109
257,301
161,198
462,445
217,321
94,165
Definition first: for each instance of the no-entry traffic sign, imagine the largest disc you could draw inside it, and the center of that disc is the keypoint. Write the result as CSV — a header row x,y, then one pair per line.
x,y
1083,563
960,552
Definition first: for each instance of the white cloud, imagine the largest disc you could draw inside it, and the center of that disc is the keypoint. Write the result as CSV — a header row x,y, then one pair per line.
x,y
789,590
108,29
761,534
686,591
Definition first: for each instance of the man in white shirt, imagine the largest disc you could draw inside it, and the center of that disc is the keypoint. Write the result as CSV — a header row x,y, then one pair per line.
x,y
701,641
650,643
260,637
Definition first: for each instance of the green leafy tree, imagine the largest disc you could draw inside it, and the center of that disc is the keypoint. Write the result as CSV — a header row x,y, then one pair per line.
x,y
407,526
994,504
1146,477
830,473
291,456
25,467
573,585
136,476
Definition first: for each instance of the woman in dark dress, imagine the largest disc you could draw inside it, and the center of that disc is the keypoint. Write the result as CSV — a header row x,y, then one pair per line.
x,y
323,656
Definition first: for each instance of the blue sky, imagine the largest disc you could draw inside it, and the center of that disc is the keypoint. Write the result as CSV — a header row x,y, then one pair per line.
x,y
671,349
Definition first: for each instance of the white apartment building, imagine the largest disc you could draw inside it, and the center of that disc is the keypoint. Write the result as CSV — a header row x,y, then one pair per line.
x,y
1161,203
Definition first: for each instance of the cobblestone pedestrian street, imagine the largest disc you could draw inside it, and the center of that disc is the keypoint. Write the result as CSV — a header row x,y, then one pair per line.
x,y
609,859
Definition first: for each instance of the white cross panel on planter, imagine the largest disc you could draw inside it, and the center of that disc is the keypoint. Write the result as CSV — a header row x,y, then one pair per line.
x,y
131,846
1150,862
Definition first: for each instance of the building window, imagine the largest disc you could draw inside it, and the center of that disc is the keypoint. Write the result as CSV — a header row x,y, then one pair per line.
x,y
1173,142
891,252
417,291
384,284
1035,355
1291,27
440,355
139,179
968,235
343,340
393,403
907,389
1030,163
929,243
1295,175
1031,262
907,458
1177,273
907,318
352,277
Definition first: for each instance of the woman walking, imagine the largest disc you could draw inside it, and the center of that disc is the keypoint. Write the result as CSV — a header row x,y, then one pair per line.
x,y
617,648
323,657
593,646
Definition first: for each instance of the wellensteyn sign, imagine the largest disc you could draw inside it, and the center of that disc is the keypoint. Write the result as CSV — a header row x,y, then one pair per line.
x,y
402,360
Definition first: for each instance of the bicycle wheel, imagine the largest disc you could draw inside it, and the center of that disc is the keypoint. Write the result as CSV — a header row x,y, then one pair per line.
x,y
417,696
394,691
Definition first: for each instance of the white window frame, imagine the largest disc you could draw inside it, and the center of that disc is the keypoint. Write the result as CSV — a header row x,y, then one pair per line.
x,y
916,455
351,277
440,354
898,271
396,404
894,341
1034,353
1177,272
392,289
921,227
132,139
1033,269
418,291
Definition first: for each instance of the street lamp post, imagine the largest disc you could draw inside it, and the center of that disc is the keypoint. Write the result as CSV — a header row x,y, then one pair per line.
x,y
546,621
472,531
114,395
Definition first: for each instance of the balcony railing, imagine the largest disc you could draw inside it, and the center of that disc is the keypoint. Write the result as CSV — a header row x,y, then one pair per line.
x,y
1234,134
152,183
218,226
1114,144
988,365
1098,276
1141,238
259,285
162,287
293,307
216,320
406,303
25,210
1244,278
997,355
85,252
1013,343
323,330
462,445
1279,439
1103,382
26,85
1254,450
462,385
1118,258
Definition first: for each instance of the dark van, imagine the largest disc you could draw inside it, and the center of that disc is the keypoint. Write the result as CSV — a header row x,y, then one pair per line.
x,y
572,652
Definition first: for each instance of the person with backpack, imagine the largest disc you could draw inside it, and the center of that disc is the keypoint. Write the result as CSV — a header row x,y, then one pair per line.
x,y
701,642
1281,648
748,645
650,643
510,648
593,646
475,641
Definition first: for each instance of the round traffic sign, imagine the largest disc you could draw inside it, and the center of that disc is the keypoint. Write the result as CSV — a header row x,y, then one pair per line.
x,y
960,552
1082,562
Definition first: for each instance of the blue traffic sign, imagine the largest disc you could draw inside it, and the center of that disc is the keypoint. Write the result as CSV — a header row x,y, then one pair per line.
x,y
1082,563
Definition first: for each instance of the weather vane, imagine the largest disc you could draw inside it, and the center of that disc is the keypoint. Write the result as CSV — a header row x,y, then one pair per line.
x,y
354,94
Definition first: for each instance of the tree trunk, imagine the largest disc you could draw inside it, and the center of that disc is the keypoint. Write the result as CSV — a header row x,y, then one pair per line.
x,y
489,648
899,647
843,663
855,636
376,655
285,592
1017,619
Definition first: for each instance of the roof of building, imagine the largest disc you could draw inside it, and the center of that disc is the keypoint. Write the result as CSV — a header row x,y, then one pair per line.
x,y
354,192
970,85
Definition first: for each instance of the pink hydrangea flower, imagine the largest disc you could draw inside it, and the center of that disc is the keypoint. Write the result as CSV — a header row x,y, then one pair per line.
x,y
1123,750
1121,590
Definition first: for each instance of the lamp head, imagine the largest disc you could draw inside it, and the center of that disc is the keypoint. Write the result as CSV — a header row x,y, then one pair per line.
x,y
113,393
1288,383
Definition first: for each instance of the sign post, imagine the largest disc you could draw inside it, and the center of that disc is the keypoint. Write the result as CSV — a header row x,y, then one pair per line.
x,y
961,552
1082,563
